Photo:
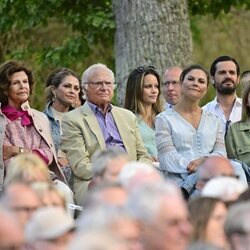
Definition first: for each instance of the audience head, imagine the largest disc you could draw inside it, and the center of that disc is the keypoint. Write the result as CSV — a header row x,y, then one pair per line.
x,y
63,85
26,168
171,85
190,68
98,84
49,228
162,215
9,72
49,195
112,194
107,164
20,200
114,220
87,240
212,167
135,174
237,226
225,188
208,216
11,233
225,72
143,89
194,82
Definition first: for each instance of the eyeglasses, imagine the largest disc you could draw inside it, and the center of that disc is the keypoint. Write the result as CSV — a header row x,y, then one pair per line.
x,y
99,84
144,68
174,83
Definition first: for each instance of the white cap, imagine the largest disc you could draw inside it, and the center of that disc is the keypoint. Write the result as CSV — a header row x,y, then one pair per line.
x,y
224,188
48,223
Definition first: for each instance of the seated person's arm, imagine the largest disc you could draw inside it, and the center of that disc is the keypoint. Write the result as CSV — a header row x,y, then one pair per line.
x,y
230,145
73,144
169,158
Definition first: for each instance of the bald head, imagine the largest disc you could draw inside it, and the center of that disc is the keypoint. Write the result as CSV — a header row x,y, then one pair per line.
x,y
213,167
171,85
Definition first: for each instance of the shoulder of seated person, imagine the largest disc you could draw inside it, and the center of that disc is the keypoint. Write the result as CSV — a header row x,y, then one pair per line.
x,y
168,111
125,111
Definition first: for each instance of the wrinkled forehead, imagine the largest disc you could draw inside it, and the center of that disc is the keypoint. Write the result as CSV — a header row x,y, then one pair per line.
x,y
173,73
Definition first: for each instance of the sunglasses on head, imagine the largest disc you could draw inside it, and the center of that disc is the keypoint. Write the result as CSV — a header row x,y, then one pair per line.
x,y
144,68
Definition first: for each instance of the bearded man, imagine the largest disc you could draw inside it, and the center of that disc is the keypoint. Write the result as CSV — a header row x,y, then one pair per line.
x,y
225,73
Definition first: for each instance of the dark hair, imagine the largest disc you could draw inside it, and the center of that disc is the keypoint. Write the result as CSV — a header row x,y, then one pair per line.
x,y
245,73
223,59
190,68
55,79
6,71
134,90
245,104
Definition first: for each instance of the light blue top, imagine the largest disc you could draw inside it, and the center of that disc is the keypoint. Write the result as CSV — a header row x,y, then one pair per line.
x,y
178,142
148,136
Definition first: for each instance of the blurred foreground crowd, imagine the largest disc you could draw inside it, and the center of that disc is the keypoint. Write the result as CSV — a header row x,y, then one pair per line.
x,y
162,173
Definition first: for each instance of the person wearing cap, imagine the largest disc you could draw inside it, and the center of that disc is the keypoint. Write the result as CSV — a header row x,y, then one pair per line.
x,y
49,228
225,188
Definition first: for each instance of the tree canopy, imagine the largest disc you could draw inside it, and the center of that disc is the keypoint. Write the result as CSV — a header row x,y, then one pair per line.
x,y
52,33
87,22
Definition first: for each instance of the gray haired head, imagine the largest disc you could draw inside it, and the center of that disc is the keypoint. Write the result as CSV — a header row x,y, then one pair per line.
x,y
145,201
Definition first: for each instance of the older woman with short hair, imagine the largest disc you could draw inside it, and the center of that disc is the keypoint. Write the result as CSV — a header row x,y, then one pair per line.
x,y
23,129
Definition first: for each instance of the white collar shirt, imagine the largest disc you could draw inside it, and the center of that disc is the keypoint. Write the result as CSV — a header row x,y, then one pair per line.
x,y
215,108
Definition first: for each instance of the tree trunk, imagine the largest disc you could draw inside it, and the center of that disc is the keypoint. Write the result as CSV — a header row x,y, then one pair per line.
x,y
150,32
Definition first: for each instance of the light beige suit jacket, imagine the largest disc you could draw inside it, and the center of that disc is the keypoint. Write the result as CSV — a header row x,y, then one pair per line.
x,y
82,137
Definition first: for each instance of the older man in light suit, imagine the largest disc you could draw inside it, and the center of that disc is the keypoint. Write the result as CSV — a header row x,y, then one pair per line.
x,y
97,125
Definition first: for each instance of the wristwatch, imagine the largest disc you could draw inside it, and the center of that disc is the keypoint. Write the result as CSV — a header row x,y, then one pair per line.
x,y
21,150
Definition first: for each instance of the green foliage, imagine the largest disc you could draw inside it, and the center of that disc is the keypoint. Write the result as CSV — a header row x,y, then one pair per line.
x,y
89,21
215,7
51,33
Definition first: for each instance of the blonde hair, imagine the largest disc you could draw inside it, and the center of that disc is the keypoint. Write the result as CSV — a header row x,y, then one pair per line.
x,y
44,188
23,168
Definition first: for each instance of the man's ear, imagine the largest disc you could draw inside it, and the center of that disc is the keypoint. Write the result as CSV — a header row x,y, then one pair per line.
x,y
238,80
212,80
84,90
